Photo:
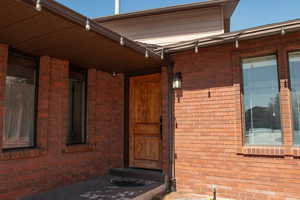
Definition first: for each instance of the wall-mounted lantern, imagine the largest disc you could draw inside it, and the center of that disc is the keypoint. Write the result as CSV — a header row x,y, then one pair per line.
x,y
177,81
38,5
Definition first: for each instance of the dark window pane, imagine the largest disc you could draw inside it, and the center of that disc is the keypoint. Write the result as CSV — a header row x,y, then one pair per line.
x,y
76,108
294,63
261,101
20,92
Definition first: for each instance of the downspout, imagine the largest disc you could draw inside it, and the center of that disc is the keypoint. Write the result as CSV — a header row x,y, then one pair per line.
x,y
172,179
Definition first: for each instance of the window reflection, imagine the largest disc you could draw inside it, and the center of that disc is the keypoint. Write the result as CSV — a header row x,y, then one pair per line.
x,y
77,108
294,63
20,94
261,101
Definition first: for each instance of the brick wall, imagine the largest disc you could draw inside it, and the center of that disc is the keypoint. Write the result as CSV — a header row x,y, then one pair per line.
x,y
53,163
208,133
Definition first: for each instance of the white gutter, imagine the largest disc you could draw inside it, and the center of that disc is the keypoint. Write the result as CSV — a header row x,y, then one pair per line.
x,y
252,33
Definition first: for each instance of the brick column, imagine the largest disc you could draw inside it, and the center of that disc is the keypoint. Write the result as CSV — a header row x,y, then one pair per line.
x,y
91,105
285,101
110,118
58,105
43,102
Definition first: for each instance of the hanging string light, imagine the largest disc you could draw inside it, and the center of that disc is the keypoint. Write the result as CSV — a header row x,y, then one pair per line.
x,y
282,31
146,54
162,54
87,25
122,42
38,5
196,48
237,43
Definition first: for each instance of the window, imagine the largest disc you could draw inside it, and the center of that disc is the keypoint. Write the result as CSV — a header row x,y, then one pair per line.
x,y
261,101
20,102
77,108
294,69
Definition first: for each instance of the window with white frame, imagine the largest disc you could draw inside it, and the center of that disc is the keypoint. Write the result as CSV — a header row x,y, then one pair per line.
x,y
261,101
294,72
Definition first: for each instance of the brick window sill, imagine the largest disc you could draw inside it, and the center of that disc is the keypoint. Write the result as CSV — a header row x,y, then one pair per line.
x,y
20,154
79,148
296,152
262,151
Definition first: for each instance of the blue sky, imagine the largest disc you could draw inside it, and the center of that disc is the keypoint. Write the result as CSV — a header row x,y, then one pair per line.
x,y
249,13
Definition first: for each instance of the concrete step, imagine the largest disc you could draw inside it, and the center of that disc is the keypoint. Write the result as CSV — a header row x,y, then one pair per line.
x,y
154,175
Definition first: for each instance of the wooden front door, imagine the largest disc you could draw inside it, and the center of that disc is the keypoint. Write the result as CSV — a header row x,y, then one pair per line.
x,y
145,136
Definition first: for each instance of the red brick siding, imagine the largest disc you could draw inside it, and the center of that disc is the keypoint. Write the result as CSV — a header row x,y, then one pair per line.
x,y
52,163
43,102
110,117
209,126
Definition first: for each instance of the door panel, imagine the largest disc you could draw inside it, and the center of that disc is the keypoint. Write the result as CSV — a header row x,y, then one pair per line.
x,y
145,140
147,128
146,148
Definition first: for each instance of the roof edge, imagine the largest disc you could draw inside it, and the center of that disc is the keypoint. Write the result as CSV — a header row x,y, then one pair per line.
x,y
232,8
231,4
79,19
245,34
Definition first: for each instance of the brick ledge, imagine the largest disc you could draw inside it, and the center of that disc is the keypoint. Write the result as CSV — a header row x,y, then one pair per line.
x,y
79,148
262,151
296,151
20,154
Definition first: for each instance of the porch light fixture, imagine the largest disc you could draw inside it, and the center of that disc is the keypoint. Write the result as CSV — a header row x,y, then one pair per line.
x,y
177,81
87,25
146,54
282,31
122,42
38,5
162,54
196,48
237,43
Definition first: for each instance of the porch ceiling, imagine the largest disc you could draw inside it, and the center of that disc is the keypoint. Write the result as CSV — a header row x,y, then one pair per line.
x,y
60,32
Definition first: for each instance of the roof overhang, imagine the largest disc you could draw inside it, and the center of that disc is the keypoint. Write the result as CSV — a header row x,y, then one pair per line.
x,y
247,34
59,32
228,5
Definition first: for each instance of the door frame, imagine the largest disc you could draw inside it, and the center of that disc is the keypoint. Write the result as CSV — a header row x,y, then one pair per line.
x,y
126,109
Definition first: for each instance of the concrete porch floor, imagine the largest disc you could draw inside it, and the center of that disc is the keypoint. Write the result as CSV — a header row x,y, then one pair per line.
x,y
100,188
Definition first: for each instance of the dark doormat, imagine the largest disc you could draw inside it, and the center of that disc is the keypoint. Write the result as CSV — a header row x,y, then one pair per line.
x,y
127,182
